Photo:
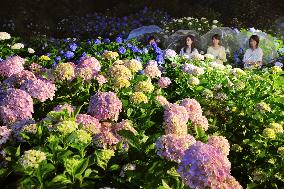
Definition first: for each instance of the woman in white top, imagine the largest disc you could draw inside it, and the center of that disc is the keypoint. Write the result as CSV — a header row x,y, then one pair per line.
x,y
253,55
217,50
189,49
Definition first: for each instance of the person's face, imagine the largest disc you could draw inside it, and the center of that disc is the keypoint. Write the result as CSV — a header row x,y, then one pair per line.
x,y
215,42
188,41
252,43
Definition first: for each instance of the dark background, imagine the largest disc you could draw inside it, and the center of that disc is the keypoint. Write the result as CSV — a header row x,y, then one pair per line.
x,y
249,13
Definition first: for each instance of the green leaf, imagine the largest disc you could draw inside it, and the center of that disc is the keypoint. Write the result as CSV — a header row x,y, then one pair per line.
x,y
18,151
114,167
82,166
88,173
62,179
132,139
129,112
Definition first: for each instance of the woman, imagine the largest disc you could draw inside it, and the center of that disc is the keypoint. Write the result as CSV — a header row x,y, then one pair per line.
x,y
189,49
253,55
217,50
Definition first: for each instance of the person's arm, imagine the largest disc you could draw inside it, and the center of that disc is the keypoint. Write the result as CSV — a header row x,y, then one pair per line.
x,y
246,57
195,51
222,55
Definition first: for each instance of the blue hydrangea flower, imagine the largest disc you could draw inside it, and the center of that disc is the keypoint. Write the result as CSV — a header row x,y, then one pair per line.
x,y
68,55
1,59
138,58
84,54
97,41
54,64
141,72
58,58
134,49
122,50
48,54
61,52
128,45
107,40
118,40
160,59
73,46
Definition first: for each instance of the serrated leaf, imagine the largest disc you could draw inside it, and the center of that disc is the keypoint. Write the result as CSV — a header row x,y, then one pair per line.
x,y
82,166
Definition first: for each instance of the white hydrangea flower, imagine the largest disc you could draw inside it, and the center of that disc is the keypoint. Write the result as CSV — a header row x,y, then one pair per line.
x,y
17,46
31,51
4,36
214,26
32,158
215,21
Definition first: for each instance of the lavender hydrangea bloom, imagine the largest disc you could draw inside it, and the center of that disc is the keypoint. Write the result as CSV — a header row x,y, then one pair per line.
x,y
105,105
204,166
19,78
172,147
16,105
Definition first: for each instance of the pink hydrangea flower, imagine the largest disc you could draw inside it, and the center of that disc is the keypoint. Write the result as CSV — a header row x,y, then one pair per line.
x,y
164,82
175,119
172,147
90,62
39,89
221,143
105,105
12,65
5,134
90,123
193,108
16,105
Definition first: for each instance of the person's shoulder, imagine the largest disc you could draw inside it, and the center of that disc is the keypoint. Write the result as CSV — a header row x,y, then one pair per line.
x,y
222,47
248,50
209,48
